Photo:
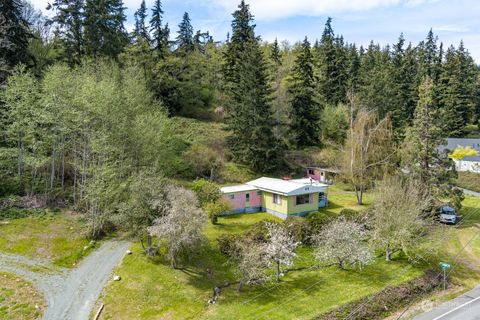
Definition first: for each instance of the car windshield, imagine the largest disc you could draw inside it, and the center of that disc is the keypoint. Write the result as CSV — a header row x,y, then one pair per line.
x,y
448,210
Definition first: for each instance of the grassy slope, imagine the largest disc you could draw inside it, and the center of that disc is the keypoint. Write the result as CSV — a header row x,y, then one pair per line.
x,y
56,237
18,299
152,290
468,180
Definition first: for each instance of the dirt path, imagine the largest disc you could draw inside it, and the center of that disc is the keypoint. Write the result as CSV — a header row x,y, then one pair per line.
x,y
69,294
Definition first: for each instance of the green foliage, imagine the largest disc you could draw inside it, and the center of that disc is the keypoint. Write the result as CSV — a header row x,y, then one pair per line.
x,y
468,180
207,191
185,35
214,209
317,220
299,228
305,110
334,124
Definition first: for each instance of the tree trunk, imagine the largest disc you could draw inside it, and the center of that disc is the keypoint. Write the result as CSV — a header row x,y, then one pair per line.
x,y
278,271
149,245
240,286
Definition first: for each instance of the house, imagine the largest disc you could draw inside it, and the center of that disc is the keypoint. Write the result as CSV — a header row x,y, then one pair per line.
x,y
279,197
468,163
324,175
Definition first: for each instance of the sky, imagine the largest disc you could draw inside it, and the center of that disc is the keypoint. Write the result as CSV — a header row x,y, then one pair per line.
x,y
359,21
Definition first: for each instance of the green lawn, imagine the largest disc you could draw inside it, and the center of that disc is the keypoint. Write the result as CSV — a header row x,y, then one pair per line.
x,y
150,289
58,237
18,299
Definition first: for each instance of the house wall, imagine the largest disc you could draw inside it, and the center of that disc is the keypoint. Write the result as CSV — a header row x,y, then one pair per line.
x,y
312,206
472,166
315,175
239,203
267,203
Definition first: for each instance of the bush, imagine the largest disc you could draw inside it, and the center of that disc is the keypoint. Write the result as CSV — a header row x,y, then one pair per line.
x,y
214,209
299,228
258,232
316,221
227,244
206,191
379,305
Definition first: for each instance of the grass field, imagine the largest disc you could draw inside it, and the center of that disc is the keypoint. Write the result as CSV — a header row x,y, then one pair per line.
x,y
468,180
150,289
18,299
57,237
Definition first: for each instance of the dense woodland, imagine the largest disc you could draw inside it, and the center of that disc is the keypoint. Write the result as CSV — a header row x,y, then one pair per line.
x,y
86,107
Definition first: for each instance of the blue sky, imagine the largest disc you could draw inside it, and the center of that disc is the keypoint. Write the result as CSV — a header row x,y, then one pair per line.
x,y
358,21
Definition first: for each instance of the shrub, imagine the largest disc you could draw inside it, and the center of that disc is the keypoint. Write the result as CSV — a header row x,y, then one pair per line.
x,y
379,305
227,244
206,191
316,220
258,232
299,228
468,180
214,209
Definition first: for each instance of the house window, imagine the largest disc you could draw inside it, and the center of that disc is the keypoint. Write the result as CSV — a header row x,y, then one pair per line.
x,y
259,193
247,197
231,196
311,172
303,199
322,196
276,198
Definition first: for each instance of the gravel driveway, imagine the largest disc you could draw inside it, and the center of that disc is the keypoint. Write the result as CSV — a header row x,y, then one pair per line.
x,y
70,294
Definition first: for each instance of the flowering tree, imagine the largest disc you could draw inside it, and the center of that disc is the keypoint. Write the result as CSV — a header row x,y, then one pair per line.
x,y
342,242
252,262
281,247
181,226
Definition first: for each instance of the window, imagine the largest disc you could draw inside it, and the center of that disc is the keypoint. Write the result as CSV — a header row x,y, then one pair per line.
x,y
303,199
276,198
231,196
311,172
322,196
259,193
247,197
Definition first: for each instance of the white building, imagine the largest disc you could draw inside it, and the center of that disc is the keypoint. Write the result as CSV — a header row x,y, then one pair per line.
x,y
471,164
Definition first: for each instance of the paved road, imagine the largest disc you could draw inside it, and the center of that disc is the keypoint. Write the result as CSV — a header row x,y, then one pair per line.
x,y
465,307
471,192
70,295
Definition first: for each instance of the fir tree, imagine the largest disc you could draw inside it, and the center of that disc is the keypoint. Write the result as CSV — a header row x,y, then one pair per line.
x,y
184,39
331,63
423,139
457,90
69,19
275,54
304,126
161,34
104,27
250,119
141,30
14,35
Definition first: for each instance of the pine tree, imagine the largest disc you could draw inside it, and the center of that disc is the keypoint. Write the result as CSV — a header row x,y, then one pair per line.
x,y
457,90
304,126
69,19
353,66
161,34
249,114
184,39
104,27
331,63
14,35
141,30
424,137
275,54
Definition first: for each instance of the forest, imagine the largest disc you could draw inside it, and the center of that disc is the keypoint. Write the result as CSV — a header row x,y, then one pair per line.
x,y
87,107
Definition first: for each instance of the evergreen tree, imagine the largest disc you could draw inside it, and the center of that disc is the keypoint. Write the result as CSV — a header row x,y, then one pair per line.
x,y
14,35
429,57
141,30
457,90
104,27
305,111
423,138
353,66
275,54
69,19
161,34
250,119
331,63
184,39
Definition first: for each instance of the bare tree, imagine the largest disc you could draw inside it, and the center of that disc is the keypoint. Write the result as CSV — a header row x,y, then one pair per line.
x,y
182,225
368,149
281,246
397,215
343,243
252,261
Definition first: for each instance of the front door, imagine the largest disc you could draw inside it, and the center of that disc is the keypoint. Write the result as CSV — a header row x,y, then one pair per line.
x,y
247,200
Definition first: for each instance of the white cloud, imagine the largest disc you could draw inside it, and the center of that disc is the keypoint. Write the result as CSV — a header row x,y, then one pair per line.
x,y
275,9
451,28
